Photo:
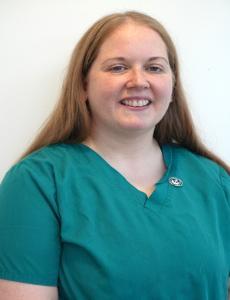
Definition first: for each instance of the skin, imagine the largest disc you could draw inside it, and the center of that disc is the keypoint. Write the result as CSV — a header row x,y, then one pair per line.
x,y
123,69
11,290
132,62
123,135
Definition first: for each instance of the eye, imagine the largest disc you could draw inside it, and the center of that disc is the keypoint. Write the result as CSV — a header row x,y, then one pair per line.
x,y
117,68
155,69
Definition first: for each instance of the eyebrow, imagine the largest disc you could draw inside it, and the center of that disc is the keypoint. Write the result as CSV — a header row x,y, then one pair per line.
x,y
120,58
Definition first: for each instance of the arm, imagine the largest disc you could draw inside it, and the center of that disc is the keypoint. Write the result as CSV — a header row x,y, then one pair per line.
x,y
29,233
11,290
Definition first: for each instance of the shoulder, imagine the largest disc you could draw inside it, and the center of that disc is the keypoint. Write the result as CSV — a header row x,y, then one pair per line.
x,y
195,162
55,154
45,168
48,159
40,176
198,167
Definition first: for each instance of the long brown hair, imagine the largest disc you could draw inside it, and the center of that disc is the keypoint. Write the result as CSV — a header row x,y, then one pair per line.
x,y
70,120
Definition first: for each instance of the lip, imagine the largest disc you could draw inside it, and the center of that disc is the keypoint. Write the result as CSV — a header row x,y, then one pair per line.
x,y
137,108
137,98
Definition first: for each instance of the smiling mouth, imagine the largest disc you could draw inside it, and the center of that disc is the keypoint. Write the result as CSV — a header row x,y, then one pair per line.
x,y
135,103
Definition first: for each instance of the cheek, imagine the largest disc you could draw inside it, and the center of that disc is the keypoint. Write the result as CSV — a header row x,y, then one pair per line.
x,y
164,89
100,86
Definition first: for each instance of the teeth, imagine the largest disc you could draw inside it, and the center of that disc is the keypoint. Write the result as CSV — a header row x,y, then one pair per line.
x,y
135,102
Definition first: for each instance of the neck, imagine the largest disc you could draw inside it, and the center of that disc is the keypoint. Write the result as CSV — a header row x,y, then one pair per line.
x,y
136,147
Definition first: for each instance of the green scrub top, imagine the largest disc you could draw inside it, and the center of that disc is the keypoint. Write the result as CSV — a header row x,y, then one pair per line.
x,y
69,219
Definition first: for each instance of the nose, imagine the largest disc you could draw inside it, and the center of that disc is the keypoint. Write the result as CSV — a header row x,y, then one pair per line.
x,y
137,79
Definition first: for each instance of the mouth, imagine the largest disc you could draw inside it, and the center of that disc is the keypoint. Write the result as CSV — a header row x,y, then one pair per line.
x,y
136,102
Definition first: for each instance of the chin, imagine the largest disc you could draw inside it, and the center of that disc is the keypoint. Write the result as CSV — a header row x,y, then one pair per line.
x,y
137,127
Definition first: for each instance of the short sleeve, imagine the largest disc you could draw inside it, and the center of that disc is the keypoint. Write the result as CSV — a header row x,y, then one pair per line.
x,y
29,224
225,181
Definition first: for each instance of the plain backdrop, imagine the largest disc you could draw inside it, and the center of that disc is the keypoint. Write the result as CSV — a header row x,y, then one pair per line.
x,y
37,38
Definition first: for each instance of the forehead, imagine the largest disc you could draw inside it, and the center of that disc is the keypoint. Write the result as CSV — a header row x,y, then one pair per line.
x,y
133,38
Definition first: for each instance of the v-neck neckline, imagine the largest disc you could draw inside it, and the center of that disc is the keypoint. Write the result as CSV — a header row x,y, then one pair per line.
x,y
167,158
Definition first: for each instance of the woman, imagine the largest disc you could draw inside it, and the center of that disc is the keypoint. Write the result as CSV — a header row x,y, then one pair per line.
x,y
117,198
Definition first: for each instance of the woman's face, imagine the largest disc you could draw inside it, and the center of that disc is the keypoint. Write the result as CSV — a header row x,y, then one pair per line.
x,y
129,85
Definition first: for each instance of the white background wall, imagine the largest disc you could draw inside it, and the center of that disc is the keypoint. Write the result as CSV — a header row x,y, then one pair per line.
x,y
37,37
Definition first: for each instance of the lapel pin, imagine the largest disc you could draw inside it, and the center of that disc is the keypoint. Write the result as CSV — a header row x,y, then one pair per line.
x,y
175,181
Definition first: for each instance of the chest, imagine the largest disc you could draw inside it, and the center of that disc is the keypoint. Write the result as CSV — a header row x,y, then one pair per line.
x,y
126,243
144,176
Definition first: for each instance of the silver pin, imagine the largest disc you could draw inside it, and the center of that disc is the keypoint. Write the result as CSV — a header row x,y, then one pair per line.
x,y
175,181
